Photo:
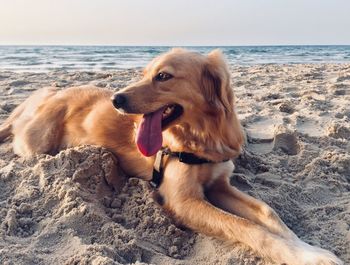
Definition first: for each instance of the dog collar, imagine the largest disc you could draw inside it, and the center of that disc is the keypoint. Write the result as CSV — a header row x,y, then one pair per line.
x,y
184,157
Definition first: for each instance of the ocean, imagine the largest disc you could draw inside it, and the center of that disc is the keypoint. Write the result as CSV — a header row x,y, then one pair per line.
x,y
97,58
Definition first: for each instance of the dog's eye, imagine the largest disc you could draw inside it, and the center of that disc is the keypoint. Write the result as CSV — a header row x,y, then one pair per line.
x,y
162,76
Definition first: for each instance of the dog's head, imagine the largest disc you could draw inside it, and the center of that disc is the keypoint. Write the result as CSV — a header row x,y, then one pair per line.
x,y
178,88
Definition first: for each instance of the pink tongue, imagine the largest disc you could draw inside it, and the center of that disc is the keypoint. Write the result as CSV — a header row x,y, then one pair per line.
x,y
149,137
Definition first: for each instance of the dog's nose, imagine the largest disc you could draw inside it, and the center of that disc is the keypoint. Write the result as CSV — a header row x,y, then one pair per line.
x,y
119,101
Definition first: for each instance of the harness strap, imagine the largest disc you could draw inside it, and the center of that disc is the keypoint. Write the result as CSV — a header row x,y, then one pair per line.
x,y
184,157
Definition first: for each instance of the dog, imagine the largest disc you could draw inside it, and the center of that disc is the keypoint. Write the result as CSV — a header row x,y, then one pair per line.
x,y
177,127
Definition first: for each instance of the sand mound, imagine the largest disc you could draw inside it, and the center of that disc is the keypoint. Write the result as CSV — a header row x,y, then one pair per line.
x,y
60,210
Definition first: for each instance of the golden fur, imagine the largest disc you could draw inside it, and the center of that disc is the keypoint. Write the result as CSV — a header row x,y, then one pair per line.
x,y
199,196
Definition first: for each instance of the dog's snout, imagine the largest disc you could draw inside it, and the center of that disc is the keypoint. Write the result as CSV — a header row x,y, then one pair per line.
x,y
119,101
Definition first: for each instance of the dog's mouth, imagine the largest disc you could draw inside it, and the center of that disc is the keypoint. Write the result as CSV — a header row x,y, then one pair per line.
x,y
149,137
170,114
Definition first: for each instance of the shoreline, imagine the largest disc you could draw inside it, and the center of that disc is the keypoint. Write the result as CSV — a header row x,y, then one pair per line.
x,y
233,67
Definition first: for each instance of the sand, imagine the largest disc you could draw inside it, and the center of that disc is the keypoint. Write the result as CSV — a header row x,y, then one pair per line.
x,y
60,209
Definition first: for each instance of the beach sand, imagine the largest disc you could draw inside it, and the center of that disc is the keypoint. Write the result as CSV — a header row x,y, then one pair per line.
x,y
59,209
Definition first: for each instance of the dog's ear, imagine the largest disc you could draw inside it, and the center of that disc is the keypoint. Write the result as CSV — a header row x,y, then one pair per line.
x,y
216,82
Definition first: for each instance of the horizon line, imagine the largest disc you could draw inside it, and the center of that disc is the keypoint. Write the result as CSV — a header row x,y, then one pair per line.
x,y
166,45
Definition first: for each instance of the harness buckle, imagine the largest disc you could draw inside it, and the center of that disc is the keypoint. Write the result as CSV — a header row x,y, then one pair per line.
x,y
157,175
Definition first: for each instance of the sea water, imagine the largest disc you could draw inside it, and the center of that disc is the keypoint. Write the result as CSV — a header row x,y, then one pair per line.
x,y
96,58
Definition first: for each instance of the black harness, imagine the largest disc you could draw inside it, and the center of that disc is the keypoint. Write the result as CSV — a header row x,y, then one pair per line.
x,y
184,157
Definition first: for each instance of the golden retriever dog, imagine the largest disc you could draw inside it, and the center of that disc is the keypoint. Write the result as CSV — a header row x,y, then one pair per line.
x,y
177,126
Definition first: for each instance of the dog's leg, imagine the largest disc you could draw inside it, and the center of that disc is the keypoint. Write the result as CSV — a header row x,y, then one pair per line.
x,y
230,199
40,135
184,197
203,217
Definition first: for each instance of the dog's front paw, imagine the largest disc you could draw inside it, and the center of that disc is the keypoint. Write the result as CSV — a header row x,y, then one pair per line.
x,y
310,255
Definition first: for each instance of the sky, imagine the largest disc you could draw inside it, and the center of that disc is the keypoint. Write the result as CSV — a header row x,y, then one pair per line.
x,y
174,22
